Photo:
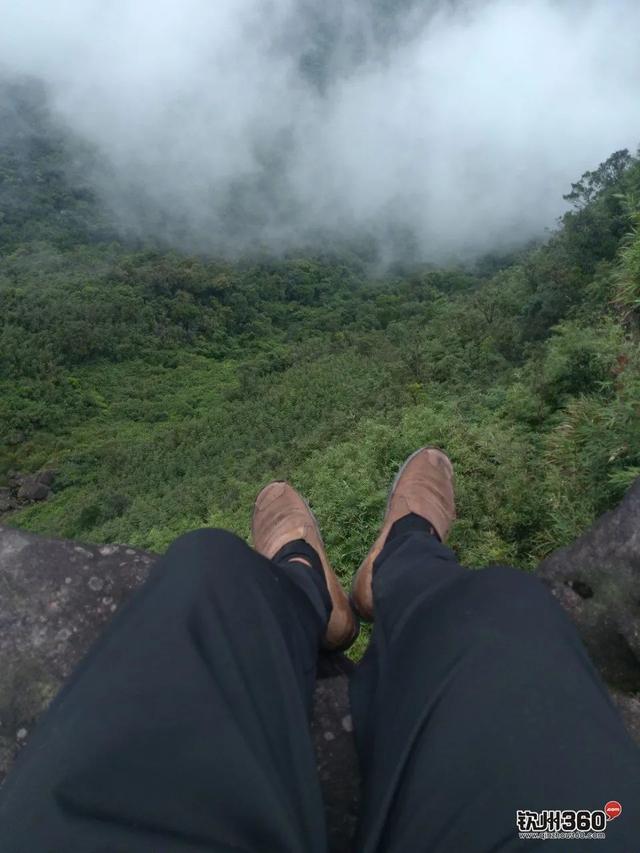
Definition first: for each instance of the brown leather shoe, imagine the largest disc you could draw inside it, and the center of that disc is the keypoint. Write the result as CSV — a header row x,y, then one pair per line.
x,y
281,515
424,486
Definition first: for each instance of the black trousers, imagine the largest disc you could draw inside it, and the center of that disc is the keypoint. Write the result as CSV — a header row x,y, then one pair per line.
x,y
186,728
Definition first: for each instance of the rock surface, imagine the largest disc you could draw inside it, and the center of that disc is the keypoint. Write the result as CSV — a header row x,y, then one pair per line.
x,y
332,733
6,500
23,489
54,599
55,596
32,490
597,579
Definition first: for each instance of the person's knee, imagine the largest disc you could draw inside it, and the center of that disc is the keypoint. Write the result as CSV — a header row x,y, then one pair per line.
x,y
513,597
499,582
201,555
496,578
209,540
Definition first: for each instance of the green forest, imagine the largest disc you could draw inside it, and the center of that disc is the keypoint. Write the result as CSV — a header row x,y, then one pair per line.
x,y
166,389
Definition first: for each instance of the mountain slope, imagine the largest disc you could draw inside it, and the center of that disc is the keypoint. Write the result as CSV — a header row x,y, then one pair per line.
x,y
166,388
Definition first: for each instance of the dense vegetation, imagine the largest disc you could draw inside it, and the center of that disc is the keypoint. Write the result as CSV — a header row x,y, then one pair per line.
x,y
166,389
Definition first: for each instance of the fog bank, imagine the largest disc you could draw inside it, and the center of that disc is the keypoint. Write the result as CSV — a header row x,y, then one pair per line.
x,y
450,127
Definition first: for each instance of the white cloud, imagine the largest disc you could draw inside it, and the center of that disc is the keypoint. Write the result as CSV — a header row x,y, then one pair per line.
x,y
462,121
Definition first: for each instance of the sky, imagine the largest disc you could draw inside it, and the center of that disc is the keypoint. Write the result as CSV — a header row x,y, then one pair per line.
x,y
439,127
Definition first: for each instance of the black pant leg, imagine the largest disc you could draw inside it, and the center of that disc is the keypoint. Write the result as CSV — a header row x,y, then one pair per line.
x,y
475,699
187,726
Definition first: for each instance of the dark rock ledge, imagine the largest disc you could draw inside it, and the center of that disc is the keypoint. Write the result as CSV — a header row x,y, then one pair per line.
x,y
25,489
55,596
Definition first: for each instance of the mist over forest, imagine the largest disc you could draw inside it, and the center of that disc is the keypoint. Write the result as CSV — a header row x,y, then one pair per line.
x,y
436,130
